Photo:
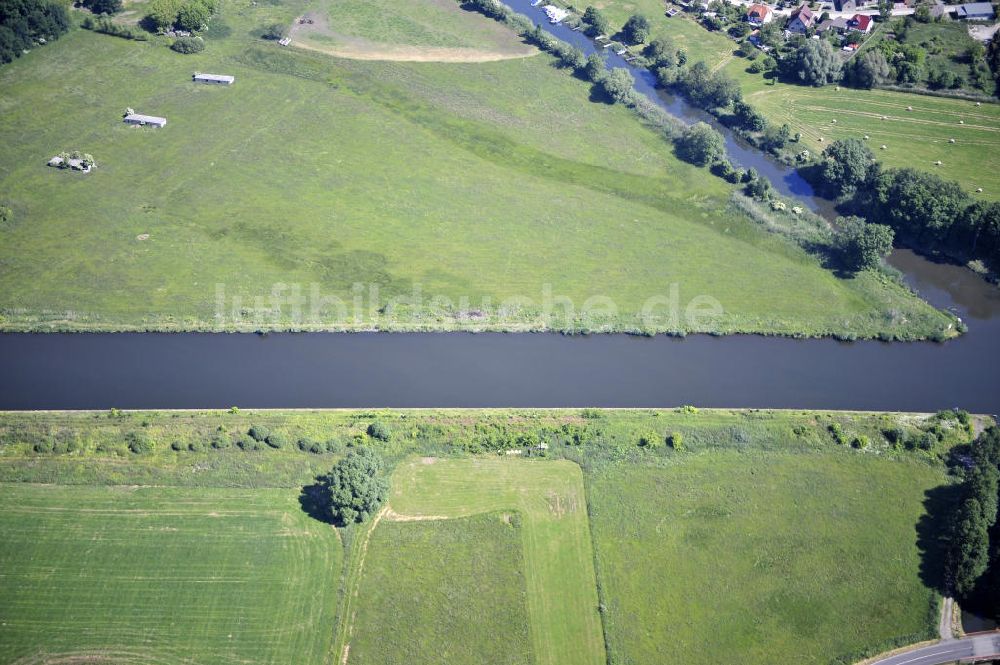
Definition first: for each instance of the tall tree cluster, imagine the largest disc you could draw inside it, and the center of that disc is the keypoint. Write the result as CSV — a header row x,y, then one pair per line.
x,y
974,547
923,209
25,23
355,488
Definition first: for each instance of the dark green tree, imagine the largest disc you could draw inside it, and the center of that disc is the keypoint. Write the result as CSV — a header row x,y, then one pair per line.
x,y
748,117
700,144
636,29
618,84
868,70
596,67
597,23
661,52
848,164
355,488
862,246
814,63
920,206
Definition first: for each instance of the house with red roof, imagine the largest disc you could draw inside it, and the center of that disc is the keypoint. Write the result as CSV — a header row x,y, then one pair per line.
x,y
860,23
759,15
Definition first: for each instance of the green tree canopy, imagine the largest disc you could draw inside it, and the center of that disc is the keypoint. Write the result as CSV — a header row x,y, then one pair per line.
x,y
919,205
869,70
618,84
861,245
355,488
636,29
814,63
700,144
849,164
597,23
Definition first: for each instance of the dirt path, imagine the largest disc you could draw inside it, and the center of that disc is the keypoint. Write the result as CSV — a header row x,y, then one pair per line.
x,y
358,48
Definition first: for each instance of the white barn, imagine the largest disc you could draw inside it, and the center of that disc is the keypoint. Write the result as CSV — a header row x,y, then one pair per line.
x,y
216,79
139,119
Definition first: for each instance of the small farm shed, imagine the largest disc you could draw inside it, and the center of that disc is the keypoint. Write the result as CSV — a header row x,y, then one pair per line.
x,y
140,119
214,79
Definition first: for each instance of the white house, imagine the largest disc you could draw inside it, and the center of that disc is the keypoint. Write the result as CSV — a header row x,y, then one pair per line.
x,y
216,79
139,119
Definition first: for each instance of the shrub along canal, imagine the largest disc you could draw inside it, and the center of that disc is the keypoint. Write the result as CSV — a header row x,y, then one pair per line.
x,y
192,370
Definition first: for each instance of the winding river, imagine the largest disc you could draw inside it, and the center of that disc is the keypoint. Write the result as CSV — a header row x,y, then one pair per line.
x,y
98,371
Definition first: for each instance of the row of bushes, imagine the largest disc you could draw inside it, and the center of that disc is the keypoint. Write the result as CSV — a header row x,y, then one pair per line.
x,y
257,437
105,25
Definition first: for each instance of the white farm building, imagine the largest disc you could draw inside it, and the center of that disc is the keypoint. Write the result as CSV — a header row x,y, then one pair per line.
x,y
139,119
214,79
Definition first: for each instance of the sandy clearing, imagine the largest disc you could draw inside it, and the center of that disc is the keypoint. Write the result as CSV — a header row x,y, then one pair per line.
x,y
358,48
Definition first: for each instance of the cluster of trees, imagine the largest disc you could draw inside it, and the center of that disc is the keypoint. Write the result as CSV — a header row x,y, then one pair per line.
x,y
355,488
190,15
707,89
25,23
973,561
890,61
814,63
635,31
923,209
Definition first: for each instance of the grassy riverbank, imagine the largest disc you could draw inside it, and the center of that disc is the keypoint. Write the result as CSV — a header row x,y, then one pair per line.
x,y
774,535
498,195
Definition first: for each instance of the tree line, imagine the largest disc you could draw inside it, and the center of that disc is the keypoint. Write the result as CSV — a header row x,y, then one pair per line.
x,y
973,555
926,211
27,23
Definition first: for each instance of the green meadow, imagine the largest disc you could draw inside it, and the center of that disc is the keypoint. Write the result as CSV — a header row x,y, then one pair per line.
x,y
746,557
759,539
443,591
160,575
322,193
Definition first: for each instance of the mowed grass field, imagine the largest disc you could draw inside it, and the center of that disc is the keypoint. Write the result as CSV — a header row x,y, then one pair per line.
x,y
165,576
423,23
487,185
443,591
761,557
914,139
558,556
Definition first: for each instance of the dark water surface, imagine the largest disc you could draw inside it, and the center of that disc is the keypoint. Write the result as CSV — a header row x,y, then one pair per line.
x,y
81,371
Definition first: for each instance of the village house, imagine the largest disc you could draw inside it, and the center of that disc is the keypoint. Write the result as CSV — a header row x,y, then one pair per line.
x,y
214,79
139,119
837,25
759,15
975,11
801,20
860,23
